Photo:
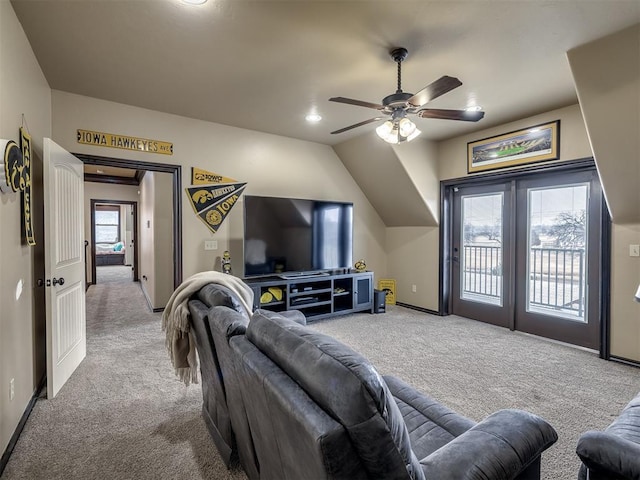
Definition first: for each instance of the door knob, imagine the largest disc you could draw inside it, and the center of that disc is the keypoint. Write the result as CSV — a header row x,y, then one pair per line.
x,y
58,281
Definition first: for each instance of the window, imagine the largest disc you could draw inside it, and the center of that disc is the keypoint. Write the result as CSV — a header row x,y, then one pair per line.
x,y
107,224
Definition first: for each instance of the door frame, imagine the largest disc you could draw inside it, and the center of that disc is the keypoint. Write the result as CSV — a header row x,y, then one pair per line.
x,y
446,236
176,172
134,209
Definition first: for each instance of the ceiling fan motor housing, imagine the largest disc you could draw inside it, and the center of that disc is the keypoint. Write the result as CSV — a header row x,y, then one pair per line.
x,y
397,99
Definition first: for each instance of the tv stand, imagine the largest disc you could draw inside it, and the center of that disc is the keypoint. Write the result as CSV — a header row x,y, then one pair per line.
x,y
316,294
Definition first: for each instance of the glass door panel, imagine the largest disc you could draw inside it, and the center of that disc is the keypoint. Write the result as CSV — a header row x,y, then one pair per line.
x,y
481,256
556,264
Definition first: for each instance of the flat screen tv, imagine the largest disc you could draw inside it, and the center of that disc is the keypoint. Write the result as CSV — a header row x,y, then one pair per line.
x,y
294,236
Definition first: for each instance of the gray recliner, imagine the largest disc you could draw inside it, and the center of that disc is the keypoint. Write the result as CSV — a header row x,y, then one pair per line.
x,y
317,409
214,407
613,454
217,316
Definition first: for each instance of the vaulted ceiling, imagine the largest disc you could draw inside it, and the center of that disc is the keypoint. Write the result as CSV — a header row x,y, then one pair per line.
x,y
263,65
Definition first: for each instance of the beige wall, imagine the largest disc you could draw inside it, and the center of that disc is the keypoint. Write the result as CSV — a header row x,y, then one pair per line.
x,y
383,177
412,255
23,91
625,279
420,161
606,73
147,272
271,165
102,191
163,239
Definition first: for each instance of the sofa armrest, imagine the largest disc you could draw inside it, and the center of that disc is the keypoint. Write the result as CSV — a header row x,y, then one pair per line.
x,y
295,315
500,447
612,454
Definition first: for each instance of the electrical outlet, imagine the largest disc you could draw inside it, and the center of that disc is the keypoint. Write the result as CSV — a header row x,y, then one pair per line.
x,y
414,289
210,244
12,390
634,250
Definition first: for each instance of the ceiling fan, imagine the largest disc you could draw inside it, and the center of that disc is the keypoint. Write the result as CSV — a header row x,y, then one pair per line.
x,y
400,104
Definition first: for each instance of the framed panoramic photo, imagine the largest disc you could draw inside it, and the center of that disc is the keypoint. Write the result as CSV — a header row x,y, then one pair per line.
x,y
538,143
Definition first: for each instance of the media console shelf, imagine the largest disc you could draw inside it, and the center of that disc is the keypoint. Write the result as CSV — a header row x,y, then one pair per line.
x,y
317,296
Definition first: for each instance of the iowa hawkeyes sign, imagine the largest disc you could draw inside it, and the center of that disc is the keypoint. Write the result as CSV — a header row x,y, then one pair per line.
x,y
213,202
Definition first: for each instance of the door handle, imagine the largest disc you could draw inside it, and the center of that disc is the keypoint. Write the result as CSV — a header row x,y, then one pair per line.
x,y
58,281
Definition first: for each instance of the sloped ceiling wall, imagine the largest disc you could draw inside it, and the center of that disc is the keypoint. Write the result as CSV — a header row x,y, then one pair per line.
x,y
606,73
401,181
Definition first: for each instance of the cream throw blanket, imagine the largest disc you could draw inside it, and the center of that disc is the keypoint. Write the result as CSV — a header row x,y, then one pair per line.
x,y
180,341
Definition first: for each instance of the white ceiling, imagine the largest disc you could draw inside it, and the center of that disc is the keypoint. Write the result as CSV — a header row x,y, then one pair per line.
x,y
265,64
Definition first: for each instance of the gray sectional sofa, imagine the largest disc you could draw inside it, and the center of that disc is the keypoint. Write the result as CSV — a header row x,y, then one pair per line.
x,y
292,403
613,454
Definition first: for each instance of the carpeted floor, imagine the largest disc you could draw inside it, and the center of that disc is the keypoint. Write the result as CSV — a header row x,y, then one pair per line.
x,y
114,274
124,415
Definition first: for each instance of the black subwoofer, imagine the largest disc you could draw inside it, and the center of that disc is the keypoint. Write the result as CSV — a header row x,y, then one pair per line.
x,y
379,301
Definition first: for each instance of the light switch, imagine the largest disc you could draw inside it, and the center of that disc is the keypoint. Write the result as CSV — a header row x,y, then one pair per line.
x,y
210,244
634,250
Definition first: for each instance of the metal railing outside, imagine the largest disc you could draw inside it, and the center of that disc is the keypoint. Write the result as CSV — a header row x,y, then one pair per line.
x,y
556,278
482,272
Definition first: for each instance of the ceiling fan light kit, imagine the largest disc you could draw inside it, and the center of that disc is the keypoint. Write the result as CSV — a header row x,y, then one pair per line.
x,y
400,104
398,131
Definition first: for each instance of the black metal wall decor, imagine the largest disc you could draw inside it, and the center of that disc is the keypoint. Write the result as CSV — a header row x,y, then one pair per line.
x,y
25,187
15,176
12,166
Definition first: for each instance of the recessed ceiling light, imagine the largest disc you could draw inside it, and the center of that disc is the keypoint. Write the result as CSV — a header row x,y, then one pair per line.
x,y
195,2
473,108
313,117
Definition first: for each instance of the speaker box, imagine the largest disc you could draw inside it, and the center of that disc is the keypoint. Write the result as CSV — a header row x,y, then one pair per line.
x,y
379,301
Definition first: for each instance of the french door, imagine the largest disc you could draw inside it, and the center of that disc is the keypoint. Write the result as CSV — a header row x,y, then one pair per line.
x,y
480,265
526,255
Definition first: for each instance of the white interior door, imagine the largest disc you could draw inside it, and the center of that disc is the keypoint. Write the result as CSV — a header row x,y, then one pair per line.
x,y
64,264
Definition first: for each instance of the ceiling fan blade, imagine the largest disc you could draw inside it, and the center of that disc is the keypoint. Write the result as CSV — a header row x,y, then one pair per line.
x,y
355,125
450,114
434,90
359,103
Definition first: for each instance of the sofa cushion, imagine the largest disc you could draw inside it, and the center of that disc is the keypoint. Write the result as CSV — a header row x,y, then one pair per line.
x,y
431,425
347,387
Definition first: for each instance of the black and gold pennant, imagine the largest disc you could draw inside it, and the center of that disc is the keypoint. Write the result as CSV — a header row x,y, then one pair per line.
x,y
203,197
214,215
